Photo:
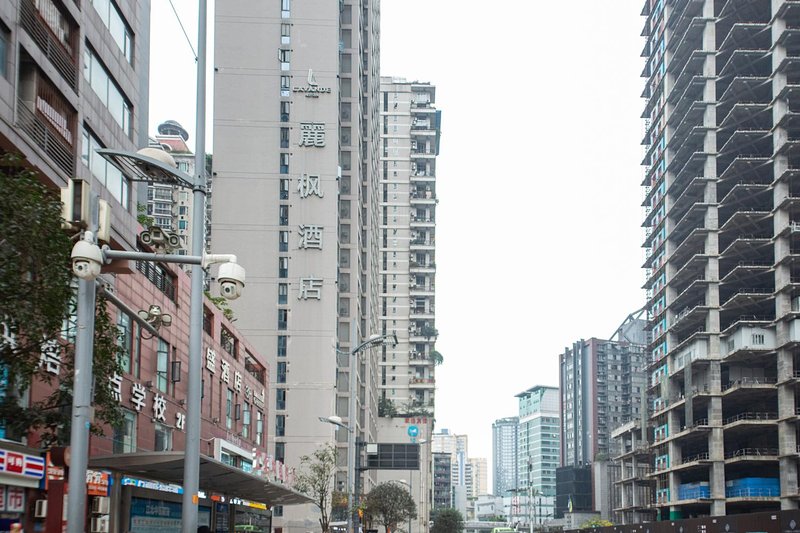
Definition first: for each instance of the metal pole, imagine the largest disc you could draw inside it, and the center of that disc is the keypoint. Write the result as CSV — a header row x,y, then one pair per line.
x,y
191,464
352,515
411,492
82,395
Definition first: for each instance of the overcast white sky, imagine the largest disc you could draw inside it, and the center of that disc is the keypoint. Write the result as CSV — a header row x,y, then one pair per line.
x,y
539,216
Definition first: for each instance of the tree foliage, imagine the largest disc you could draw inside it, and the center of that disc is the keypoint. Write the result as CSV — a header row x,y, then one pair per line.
x,y
316,479
448,521
390,504
596,522
36,298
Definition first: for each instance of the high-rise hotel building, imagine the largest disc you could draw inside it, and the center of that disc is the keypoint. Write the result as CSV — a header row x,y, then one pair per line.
x,y
722,199
295,170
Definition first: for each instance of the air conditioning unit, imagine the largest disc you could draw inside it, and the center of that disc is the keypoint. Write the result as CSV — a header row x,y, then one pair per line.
x,y
40,510
101,505
101,524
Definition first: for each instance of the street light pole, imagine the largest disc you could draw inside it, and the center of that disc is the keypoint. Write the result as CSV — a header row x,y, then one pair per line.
x,y
82,393
191,463
375,340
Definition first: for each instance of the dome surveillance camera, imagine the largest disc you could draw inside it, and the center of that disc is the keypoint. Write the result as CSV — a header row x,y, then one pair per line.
x,y
87,259
231,278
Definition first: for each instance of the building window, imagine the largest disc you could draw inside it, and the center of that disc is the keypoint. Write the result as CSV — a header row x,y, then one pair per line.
x,y
282,343
280,451
5,39
125,433
284,137
283,186
163,440
283,319
259,428
283,215
285,86
106,89
281,377
125,328
283,293
106,173
280,425
117,26
162,381
285,9
229,408
208,321
283,242
283,267
284,111
280,399
284,163
246,421
284,56
228,342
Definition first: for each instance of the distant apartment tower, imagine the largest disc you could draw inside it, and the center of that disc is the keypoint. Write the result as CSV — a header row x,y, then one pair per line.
x,y
442,486
296,163
505,448
722,241
410,143
457,447
538,455
602,383
170,207
478,483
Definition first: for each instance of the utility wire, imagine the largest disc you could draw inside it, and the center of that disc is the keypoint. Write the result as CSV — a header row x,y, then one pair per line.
x,y
188,41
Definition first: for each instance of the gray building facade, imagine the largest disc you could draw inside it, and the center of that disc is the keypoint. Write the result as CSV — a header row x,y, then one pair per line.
x,y
296,166
601,385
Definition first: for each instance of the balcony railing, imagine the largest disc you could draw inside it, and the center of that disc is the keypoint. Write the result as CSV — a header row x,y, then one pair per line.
x,y
50,142
751,416
752,452
49,43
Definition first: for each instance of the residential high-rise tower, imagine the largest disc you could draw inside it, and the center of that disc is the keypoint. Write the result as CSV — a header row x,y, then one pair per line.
x,y
538,453
504,455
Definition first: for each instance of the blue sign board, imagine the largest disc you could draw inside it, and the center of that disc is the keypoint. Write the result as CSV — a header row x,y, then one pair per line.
x,y
413,431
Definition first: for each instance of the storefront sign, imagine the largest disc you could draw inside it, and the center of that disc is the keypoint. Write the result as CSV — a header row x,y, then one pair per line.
x,y
21,464
156,516
152,485
12,499
97,483
248,503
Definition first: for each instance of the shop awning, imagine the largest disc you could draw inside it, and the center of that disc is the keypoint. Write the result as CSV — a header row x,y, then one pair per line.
x,y
214,476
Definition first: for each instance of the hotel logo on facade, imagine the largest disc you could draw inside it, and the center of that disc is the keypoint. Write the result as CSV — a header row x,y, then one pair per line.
x,y
312,89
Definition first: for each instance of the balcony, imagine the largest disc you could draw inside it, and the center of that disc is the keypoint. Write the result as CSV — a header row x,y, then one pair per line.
x,y
45,136
60,52
425,383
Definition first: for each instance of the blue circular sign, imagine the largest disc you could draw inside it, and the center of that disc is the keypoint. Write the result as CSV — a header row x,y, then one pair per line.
x,y
413,431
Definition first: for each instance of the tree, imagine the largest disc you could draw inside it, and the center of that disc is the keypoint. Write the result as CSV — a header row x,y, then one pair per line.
x,y
315,480
36,301
596,522
390,504
448,521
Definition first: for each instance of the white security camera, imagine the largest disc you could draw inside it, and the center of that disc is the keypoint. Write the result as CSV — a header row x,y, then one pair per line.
x,y
160,239
231,280
86,260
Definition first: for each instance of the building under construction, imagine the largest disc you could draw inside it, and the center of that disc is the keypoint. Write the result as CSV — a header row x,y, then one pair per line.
x,y
722,199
